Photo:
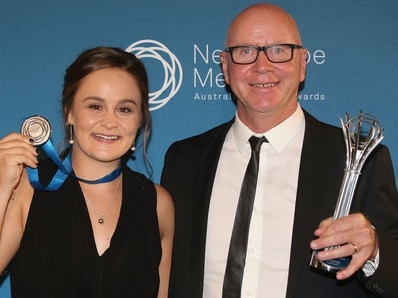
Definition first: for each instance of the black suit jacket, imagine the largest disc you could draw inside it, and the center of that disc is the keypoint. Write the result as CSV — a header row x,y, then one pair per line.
x,y
189,171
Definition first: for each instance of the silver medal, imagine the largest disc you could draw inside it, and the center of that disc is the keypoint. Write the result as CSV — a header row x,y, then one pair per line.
x,y
37,128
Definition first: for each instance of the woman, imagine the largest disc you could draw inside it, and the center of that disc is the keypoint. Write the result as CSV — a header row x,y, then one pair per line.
x,y
94,236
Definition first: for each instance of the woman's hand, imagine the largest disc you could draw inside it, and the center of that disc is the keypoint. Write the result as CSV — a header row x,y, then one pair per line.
x,y
16,151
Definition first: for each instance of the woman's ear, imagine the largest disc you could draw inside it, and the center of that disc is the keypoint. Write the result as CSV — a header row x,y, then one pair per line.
x,y
69,118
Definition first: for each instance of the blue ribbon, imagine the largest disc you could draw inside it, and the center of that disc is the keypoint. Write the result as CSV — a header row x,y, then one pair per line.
x,y
64,170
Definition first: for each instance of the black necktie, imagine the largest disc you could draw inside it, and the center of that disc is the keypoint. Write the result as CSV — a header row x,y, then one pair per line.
x,y
240,233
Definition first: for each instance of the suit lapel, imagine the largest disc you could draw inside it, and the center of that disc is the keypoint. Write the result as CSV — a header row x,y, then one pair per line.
x,y
205,175
320,174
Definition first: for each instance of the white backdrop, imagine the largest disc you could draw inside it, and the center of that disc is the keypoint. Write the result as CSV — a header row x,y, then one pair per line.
x,y
351,66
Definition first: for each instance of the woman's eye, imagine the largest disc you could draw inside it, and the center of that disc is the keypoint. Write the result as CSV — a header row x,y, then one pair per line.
x,y
125,110
94,107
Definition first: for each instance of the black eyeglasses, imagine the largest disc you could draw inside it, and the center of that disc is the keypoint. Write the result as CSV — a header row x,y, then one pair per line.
x,y
276,53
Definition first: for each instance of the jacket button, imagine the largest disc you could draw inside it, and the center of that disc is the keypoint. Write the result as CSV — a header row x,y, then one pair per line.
x,y
377,288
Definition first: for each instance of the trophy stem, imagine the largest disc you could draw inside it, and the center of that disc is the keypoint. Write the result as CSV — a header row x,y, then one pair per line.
x,y
346,194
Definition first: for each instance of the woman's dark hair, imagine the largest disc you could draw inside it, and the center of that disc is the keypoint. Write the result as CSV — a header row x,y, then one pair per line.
x,y
100,58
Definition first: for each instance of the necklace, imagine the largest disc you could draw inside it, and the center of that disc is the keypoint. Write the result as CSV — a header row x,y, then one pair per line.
x,y
101,217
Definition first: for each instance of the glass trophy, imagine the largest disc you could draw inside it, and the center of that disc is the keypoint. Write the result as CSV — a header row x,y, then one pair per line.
x,y
362,134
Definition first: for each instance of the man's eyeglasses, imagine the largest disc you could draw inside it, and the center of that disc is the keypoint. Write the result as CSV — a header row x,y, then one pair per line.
x,y
276,53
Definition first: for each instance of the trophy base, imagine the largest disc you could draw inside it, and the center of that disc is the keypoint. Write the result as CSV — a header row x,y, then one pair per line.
x,y
331,266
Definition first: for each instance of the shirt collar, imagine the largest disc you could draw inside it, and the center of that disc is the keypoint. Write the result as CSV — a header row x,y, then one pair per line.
x,y
279,136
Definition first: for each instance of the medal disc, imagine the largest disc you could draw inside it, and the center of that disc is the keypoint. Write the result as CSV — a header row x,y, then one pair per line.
x,y
37,128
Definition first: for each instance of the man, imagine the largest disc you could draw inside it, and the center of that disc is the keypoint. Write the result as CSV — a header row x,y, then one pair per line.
x,y
301,169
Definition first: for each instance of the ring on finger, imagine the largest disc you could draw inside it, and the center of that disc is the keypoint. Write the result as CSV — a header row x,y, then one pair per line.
x,y
355,247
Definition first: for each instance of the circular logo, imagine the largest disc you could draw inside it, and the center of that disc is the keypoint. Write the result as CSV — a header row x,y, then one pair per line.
x,y
172,69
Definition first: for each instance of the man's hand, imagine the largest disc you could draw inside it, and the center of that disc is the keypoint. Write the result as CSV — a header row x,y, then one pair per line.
x,y
352,235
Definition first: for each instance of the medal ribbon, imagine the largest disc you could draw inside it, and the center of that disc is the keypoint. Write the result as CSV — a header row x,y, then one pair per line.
x,y
64,170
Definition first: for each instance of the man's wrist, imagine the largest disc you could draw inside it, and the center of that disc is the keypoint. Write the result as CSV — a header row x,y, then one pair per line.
x,y
371,266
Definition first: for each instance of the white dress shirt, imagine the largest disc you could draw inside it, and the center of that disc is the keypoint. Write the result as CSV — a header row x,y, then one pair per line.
x,y
268,253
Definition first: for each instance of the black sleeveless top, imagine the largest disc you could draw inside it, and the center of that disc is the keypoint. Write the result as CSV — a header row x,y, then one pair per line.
x,y
58,257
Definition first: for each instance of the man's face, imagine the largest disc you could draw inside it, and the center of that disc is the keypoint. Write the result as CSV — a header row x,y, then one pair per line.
x,y
264,88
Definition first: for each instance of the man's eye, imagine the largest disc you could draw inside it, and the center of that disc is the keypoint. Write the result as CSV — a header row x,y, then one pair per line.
x,y
246,51
278,50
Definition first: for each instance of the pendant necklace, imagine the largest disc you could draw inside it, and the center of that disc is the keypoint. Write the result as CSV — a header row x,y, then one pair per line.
x,y
101,217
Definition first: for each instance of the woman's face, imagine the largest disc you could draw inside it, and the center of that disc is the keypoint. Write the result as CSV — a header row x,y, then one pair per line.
x,y
105,114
